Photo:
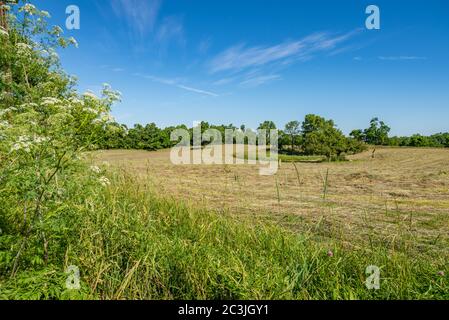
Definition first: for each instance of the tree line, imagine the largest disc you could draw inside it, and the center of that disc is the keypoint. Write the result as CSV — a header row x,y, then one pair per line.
x,y
315,135
377,134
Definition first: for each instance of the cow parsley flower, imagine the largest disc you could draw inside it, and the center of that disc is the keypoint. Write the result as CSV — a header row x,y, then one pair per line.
x,y
50,101
28,8
91,110
90,94
73,41
23,49
57,30
95,169
4,124
45,14
104,181
107,118
28,105
38,139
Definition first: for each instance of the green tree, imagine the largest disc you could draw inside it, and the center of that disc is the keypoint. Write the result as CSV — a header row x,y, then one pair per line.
x,y
357,135
321,137
377,133
292,128
267,126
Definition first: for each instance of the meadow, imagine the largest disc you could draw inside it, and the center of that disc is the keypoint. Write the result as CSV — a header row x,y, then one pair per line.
x,y
399,198
79,223
204,232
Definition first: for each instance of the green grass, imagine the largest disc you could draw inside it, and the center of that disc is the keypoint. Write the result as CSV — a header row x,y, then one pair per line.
x,y
130,244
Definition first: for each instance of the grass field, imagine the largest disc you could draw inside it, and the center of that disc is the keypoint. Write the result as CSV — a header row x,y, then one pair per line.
x,y
160,231
398,200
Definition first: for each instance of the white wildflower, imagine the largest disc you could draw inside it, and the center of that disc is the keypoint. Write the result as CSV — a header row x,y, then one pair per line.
x,y
23,143
28,104
104,181
45,14
38,139
95,169
28,8
90,94
75,100
107,118
57,30
23,49
50,101
4,124
53,55
5,7
7,110
91,110
23,46
73,41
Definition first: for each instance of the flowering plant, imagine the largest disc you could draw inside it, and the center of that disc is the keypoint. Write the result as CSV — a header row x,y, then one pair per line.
x,y
45,126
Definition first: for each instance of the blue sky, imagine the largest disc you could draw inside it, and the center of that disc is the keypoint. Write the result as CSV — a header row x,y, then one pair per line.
x,y
248,61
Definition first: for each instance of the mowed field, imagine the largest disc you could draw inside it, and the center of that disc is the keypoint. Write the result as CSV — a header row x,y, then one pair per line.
x,y
399,199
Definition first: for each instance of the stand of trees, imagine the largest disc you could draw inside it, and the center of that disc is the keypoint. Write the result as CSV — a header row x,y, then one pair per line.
x,y
315,135
377,134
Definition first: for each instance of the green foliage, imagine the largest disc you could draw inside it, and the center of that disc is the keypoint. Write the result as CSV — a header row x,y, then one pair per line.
x,y
439,140
44,127
292,128
376,134
321,137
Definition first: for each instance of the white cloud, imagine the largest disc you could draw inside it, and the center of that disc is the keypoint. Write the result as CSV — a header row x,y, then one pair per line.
x,y
204,45
208,93
260,80
171,29
223,81
239,57
141,15
176,83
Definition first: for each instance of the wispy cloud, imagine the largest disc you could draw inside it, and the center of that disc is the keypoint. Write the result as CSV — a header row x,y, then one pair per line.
x,y
171,28
204,45
260,80
239,57
207,93
175,82
223,81
140,15
396,58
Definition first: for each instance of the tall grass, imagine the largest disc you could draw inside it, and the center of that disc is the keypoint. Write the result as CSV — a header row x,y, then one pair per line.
x,y
131,244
